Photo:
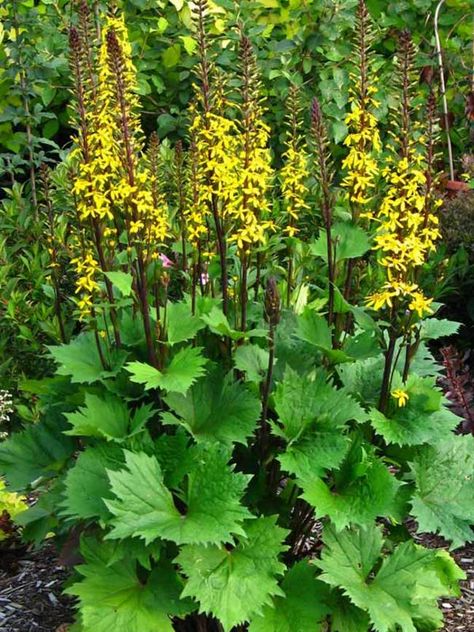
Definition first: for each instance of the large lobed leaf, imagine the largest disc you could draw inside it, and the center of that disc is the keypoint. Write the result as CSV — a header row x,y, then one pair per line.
x,y
444,498
302,608
235,585
400,593
184,369
144,507
112,597
215,409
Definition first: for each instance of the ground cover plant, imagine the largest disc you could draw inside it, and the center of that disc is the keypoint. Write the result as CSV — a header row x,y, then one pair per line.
x,y
244,412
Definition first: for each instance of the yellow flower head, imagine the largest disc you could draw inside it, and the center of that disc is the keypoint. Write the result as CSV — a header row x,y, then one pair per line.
x,y
400,396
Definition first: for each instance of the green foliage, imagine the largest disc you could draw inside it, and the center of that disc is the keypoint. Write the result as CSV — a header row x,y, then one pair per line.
x,y
235,585
196,442
215,409
112,595
145,508
303,606
443,500
184,369
422,420
399,593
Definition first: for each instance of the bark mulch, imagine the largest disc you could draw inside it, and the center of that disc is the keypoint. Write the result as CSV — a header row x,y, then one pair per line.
x,y
31,598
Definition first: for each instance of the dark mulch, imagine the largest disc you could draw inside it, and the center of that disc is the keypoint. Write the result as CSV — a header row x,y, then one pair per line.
x,y
31,598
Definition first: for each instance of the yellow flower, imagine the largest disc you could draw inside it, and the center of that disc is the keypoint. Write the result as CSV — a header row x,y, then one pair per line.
x,y
400,396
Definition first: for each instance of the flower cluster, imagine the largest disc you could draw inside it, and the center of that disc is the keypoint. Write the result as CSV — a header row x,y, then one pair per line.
x,y
363,139
87,269
406,234
407,224
294,173
114,182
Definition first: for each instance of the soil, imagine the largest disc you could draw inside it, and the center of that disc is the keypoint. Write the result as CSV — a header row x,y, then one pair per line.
x,y
31,598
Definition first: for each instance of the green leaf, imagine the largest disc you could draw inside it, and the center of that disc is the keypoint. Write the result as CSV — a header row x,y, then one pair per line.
x,y
363,490
314,453
123,281
181,323
313,328
215,409
310,402
178,4
444,497
349,241
174,457
81,361
184,369
40,450
189,43
87,484
301,609
218,323
145,508
142,505
171,56
112,597
105,417
253,361
234,585
434,328
420,421
400,594
345,617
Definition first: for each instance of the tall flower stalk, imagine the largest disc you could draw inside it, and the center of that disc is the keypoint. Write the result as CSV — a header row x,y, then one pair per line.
x,y
407,227
250,212
324,176
294,175
363,141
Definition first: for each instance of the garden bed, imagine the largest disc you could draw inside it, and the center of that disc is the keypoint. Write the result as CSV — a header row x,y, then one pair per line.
x,y
31,598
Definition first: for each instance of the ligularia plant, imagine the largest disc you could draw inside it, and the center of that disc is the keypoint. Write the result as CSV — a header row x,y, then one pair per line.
x,y
224,459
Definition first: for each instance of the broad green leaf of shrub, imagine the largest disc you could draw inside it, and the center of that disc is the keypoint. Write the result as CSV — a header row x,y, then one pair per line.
x,y
174,457
87,484
145,508
349,241
184,369
105,416
253,361
400,594
421,420
363,379
358,502
235,585
313,328
345,617
301,609
81,361
215,409
112,597
181,324
435,328
304,402
444,498
218,323
123,281
40,450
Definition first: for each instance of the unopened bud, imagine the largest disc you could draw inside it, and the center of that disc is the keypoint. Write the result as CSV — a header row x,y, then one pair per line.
x,y
272,303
